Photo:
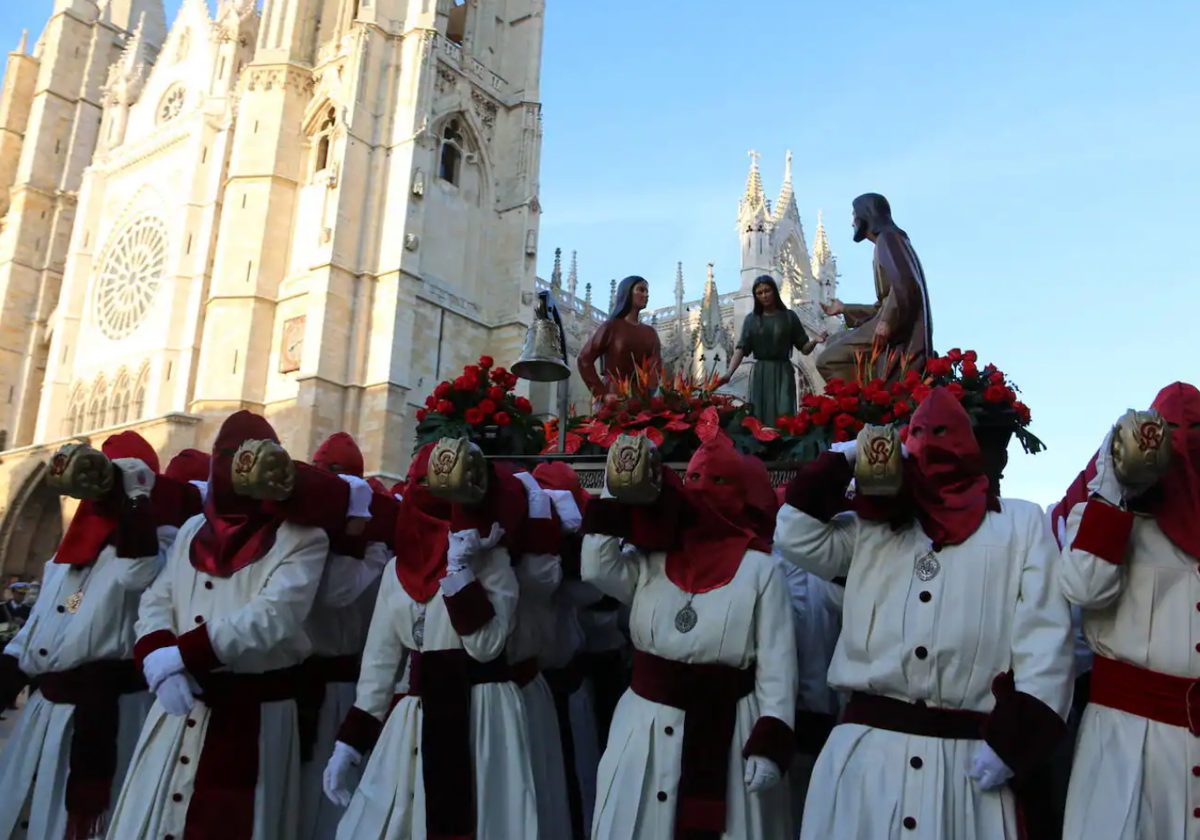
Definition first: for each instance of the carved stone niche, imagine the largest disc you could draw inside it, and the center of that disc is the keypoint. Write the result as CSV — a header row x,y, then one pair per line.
x,y
411,242
418,184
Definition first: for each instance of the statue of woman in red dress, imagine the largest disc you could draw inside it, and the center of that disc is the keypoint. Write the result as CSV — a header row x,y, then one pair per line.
x,y
621,343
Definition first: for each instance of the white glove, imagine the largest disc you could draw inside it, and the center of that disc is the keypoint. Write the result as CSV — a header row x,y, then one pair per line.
x,y
848,448
360,497
539,502
160,664
202,486
567,509
398,497
466,545
175,695
761,774
336,780
1105,484
988,769
137,478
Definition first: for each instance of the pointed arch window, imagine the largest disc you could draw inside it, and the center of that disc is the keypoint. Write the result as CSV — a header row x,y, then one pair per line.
x,y
324,142
456,24
73,422
97,412
450,161
139,393
122,398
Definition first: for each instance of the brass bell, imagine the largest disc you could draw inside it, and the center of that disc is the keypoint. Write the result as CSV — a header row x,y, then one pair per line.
x,y
544,358
1141,449
879,467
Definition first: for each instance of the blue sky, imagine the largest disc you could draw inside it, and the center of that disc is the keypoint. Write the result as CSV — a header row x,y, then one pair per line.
x,y
1042,156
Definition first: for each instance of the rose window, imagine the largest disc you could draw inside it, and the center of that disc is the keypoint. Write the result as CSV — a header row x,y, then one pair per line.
x,y
171,105
130,277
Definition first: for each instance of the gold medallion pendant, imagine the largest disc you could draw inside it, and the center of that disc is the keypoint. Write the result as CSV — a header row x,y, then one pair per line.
x,y
74,601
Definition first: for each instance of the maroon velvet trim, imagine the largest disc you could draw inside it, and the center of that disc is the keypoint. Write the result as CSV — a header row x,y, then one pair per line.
x,y
541,536
708,694
361,729
505,503
316,673
382,526
137,534
894,715
195,646
319,499
607,517
1165,698
525,671
1022,729
174,501
151,642
819,489
223,799
469,608
772,739
1104,531
95,690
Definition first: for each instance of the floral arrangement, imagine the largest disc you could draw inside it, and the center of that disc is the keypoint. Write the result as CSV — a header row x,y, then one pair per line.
x,y
677,416
480,405
845,407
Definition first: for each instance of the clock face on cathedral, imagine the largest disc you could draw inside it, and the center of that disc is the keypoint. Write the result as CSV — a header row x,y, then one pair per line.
x,y
130,277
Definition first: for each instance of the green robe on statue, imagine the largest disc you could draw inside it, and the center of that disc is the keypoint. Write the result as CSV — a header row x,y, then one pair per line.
x,y
769,338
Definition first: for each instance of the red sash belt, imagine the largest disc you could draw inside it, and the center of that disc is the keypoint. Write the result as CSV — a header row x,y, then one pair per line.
x,y
443,679
708,694
881,712
525,671
95,690
222,806
1165,698
317,672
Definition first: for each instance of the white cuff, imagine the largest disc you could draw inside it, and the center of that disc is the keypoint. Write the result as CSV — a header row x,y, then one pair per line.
x,y
456,581
360,497
566,508
202,486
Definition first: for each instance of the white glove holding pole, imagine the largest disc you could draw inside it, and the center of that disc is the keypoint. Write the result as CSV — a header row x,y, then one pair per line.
x,y
988,769
465,546
761,774
1105,484
336,779
136,478
567,509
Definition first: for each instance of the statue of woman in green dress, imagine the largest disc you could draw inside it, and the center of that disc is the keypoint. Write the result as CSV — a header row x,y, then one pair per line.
x,y
768,334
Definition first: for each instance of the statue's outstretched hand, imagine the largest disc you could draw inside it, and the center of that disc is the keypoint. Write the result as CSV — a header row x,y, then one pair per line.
x,y
834,307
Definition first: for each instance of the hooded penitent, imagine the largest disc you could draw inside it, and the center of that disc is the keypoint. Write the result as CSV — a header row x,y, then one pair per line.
x,y
1177,508
422,533
945,474
718,531
190,465
555,475
95,523
237,530
340,454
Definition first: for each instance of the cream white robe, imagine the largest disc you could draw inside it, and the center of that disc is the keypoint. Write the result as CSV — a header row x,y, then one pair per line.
x,y
337,626
34,764
538,576
739,626
995,605
255,619
1133,778
390,801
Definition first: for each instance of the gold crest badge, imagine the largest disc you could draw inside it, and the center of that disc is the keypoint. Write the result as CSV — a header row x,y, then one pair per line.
x,y
263,470
879,466
458,471
1141,449
634,470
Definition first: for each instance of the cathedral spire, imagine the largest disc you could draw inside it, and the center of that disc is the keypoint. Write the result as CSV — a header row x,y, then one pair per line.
x,y
753,210
821,251
679,288
587,294
23,47
786,205
573,274
556,274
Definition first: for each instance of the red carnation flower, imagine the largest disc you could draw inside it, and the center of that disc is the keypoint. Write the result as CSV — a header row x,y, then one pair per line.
x,y
912,379
848,404
421,415
486,362
995,394
881,398
841,436
835,387
1023,413
921,392
970,356
445,407
473,370
843,421
431,402
957,390
524,406
996,378
495,394
443,390
473,416
487,407
955,355
887,418
940,366
851,389
502,419
902,409
969,370
821,418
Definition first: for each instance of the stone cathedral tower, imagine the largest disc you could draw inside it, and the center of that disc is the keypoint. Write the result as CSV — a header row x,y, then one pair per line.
x,y
315,211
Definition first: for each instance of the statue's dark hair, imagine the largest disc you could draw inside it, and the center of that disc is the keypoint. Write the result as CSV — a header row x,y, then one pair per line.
x,y
766,280
625,296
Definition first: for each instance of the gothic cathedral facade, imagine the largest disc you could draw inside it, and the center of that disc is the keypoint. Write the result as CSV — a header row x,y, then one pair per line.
x,y
314,210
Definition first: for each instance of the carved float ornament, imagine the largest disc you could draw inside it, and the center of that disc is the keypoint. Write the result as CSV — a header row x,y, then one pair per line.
x,y
1141,448
458,471
81,472
879,467
263,470
634,470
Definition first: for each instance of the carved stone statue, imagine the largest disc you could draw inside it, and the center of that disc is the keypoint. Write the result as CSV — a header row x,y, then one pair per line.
x,y
898,326
621,343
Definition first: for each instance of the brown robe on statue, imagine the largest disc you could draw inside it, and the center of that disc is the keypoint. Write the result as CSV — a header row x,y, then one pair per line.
x,y
620,346
903,304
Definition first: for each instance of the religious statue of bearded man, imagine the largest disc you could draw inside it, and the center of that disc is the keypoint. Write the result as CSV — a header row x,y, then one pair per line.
x,y
898,326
